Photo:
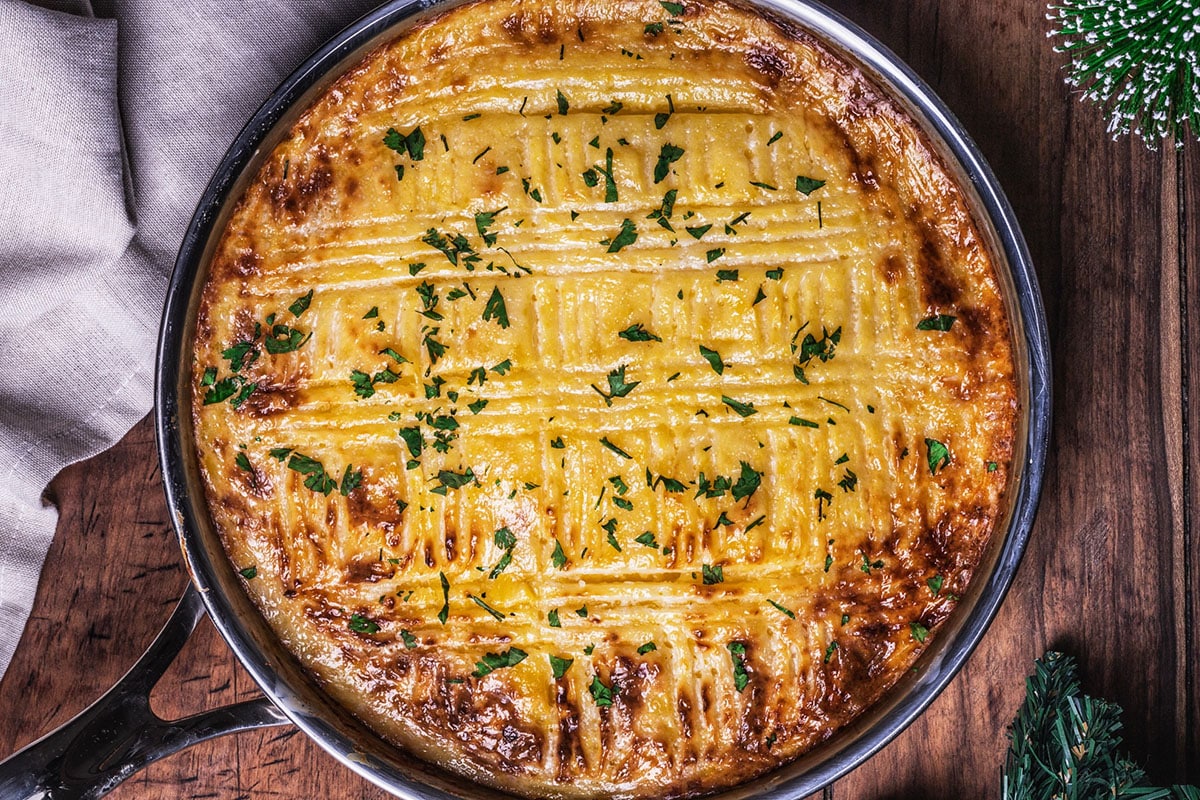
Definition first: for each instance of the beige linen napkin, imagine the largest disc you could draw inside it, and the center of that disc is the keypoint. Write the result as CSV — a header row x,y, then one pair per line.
x,y
112,117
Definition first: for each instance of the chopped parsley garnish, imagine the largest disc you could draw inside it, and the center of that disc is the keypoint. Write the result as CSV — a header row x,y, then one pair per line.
x,y
698,231
553,619
747,483
604,441
804,423
209,377
436,349
714,359
351,480
317,480
829,651
737,652
412,143
660,119
243,463
581,611
939,455
653,28
647,539
283,339
360,624
935,584
766,186
603,695
919,631
992,466
663,213
558,558
625,237
674,9
648,647
484,220
561,100
638,333
250,572
759,296
938,322
409,640
560,665
503,367
712,575
238,356
452,247
774,274
494,661
724,274
300,304
667,156
743,409
392,354
453,480
495,309
617,385
791,614
824,500
807,185
444,613
868,565
479,601
775,138
848,481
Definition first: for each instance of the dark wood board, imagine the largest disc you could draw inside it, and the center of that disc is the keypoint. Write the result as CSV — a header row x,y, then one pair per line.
x,y
1112,573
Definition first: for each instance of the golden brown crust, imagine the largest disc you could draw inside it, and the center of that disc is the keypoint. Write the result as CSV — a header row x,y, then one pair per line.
x,y
788,535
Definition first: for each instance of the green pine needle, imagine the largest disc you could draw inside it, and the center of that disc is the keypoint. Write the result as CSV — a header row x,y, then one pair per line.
x,y
1065,745
1137,58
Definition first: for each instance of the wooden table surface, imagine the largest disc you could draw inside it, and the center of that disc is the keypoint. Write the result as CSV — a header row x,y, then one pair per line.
x,y
1112,573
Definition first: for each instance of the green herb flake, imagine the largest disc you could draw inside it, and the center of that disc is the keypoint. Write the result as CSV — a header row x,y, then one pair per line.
x,y
674,9
743,409
935,584
351,480
807,186
747,483
625,237
249,573
638,333
558,558
409,640
648,647
774,274
919,631
494,661
804,423
829,651
647,539
603,695
495,309
553,619
301,303
775,138
503,367
444,613
667,156
360,624
698,231
938,322
560,665
725,274
714,360
791,614
737,653
604,441
562,103
617,385
712,575
939,455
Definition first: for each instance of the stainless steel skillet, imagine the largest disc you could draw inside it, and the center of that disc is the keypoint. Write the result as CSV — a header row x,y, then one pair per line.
x,y
119,734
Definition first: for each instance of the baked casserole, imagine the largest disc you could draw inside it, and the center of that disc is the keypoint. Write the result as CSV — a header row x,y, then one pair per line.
x,y
604,398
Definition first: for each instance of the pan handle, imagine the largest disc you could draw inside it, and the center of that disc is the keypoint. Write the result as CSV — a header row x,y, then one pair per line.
x,y
119,734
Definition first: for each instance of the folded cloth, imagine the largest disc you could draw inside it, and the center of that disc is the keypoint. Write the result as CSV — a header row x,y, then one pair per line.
x,y
113,116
